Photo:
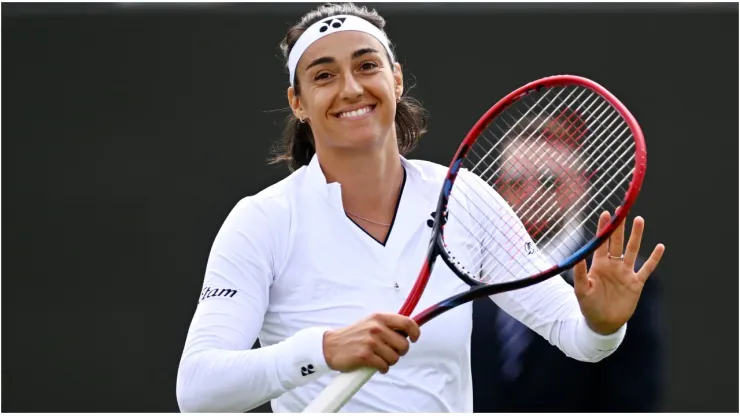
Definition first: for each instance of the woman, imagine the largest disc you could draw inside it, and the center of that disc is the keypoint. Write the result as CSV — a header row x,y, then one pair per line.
x,y
316,264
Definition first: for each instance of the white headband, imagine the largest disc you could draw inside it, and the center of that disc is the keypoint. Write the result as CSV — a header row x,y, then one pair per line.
x,y
328,26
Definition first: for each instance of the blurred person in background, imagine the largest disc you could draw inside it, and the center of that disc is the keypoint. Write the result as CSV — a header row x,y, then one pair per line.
x,y
514,369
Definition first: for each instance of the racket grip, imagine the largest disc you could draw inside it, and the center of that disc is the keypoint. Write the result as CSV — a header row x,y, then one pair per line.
x,y
339,391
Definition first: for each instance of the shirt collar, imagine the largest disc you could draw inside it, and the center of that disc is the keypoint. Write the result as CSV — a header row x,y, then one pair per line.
x,y
317,181
331,191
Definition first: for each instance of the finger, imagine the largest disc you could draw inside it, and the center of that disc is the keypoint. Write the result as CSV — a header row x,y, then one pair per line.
x,y
633,245
375,361
616,241
603,221
651,264
389,356
402,323
580,278
397,341
413,330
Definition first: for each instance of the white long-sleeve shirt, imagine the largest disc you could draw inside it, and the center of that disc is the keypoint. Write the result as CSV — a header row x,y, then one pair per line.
x,y
288,264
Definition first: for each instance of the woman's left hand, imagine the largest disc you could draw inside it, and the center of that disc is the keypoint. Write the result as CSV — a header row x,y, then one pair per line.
x,y
608,293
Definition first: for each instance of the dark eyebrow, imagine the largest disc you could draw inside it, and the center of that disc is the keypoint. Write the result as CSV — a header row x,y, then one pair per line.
x,y
329,60
358,53
319,61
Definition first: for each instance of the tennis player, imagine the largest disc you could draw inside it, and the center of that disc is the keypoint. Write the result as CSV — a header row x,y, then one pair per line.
x,y
316,265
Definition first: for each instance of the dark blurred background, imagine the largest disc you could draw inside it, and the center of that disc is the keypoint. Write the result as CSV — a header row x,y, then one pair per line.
x,y
129,131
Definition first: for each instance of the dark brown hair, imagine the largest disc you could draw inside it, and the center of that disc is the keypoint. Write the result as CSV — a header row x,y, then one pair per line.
x,y
296,147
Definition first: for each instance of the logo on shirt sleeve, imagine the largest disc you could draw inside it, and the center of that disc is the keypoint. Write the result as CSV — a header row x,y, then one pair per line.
x,y
307,370
216,292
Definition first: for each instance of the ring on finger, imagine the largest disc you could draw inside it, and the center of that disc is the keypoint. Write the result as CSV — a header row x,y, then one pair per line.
x,y
620,258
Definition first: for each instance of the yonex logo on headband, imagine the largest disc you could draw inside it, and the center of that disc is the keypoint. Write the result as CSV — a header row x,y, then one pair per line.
x,y
330,26
335,23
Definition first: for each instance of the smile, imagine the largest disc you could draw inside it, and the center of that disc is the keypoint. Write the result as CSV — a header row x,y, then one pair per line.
x,y
355,114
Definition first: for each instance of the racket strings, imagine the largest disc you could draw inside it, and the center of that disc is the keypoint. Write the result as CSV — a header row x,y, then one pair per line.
x,y
512,129
544,170
533,203
513,244
579,132
588,149
535,199
581,178
483,247
477,252
501,152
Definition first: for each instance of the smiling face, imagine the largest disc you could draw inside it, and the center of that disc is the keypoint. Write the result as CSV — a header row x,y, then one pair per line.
x,y
347,92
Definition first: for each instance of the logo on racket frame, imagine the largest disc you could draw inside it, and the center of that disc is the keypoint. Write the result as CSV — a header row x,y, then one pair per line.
x,y
530,248
430,222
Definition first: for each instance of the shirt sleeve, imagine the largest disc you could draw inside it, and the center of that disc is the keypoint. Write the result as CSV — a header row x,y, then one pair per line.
x,y
219,371
549,308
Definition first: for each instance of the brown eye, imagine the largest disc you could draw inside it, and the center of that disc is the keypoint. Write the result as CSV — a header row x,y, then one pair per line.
x,y
366,66
321,76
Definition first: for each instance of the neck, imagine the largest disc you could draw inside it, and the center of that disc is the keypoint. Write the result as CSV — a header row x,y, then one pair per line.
x,y
371,181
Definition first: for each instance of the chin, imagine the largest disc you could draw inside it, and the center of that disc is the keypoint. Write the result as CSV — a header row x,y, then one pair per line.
x,y
362,137
362,140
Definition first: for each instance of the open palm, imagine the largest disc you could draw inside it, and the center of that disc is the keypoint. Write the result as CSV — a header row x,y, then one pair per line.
x,y
608,293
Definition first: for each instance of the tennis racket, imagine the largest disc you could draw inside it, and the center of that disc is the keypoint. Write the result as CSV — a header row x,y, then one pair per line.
x,y
522,197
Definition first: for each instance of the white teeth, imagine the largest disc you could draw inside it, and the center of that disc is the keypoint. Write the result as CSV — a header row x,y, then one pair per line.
x,y
355,113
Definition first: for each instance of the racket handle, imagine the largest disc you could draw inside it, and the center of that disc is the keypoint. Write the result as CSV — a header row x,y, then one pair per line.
x,y
339,391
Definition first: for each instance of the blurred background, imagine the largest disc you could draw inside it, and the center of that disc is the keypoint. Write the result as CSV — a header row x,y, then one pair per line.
x,y
129,131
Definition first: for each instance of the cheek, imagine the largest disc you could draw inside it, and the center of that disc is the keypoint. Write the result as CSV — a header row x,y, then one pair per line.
x,y
320,103
384,89
390,110
316,109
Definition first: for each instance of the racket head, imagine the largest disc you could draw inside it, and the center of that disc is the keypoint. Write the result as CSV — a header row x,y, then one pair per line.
x,y
564,126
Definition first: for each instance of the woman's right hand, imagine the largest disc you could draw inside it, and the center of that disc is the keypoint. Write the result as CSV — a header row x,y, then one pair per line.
x,y
371,342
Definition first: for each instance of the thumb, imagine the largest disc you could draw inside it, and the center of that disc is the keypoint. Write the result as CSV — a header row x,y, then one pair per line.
x,y
580,278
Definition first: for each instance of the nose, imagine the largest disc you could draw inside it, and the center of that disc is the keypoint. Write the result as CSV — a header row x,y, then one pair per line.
x,y
351,88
